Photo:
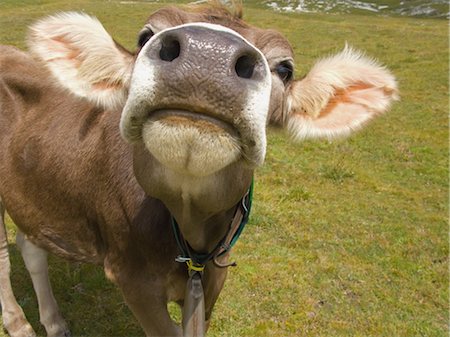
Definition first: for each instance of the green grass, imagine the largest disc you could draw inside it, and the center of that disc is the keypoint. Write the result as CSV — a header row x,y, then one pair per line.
x,y
348,238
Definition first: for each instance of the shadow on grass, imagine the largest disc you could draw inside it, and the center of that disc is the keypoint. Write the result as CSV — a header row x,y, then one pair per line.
x,y
91,305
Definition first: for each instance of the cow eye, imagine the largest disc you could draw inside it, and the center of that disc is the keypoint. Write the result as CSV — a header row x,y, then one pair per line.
x,y
285,71
144,36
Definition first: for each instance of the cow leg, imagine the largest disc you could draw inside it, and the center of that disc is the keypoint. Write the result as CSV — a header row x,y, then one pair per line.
x,y
147,301
152,315
214,279
35,260
14,320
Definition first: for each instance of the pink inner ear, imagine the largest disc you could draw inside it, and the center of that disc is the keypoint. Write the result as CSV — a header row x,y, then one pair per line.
x,y
344,117
343,96
83,57
60,45
348,110
360,102
340,94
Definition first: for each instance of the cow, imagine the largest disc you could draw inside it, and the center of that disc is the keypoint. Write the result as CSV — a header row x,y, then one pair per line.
x,y
142,162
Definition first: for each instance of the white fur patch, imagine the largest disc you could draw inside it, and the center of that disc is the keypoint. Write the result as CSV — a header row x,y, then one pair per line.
x,y
188,149
339,95
83,57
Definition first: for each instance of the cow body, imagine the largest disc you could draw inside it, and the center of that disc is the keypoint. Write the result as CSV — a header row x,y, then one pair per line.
x,y
91,214
46,177
97,213
189,140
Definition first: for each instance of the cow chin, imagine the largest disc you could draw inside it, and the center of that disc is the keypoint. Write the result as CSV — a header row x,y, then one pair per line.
x,y
191,144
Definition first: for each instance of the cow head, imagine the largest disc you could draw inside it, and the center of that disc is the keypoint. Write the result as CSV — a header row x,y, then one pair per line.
x,y
202,86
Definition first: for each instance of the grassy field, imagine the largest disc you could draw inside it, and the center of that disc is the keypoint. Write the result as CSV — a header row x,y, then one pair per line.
x,y
348,238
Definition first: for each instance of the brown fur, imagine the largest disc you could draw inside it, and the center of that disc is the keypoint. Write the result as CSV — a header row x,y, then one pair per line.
x,y
216,8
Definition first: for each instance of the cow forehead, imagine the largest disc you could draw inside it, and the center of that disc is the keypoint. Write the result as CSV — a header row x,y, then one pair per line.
x,y
270,42
174,16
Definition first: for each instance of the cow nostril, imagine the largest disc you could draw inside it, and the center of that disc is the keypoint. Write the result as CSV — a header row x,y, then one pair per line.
x,y
170,49
245,65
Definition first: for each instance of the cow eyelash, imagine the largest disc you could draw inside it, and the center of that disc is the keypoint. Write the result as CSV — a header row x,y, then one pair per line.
x,y
145,35
285,71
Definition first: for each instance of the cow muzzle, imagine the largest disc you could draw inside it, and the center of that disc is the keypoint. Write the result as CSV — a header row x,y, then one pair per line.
x,y
198,99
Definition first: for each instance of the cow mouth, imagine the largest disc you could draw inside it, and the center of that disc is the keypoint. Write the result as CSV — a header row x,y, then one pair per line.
x,y
191,143
197,119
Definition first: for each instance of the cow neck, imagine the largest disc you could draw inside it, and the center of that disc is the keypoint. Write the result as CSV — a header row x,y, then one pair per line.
x,y
196,261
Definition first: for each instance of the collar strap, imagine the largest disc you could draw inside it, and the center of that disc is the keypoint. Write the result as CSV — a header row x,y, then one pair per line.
x,y
196,261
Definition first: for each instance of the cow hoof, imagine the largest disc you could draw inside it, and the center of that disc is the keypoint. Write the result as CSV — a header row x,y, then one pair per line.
x,y
60,333
58,329
65,333
25,330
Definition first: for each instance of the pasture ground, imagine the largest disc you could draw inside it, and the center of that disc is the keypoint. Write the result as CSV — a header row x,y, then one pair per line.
x,y
348,238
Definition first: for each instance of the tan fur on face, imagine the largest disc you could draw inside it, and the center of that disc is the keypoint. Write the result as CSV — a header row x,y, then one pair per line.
x,y
193,147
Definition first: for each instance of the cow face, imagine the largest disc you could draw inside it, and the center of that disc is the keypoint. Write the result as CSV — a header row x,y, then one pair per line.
x,y
201,92
203,85
199,99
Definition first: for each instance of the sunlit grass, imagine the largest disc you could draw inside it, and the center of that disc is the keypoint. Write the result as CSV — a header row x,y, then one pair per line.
x,y
347,238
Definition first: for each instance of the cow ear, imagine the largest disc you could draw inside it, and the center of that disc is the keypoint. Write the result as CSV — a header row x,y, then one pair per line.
x,y
83,57
339,95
